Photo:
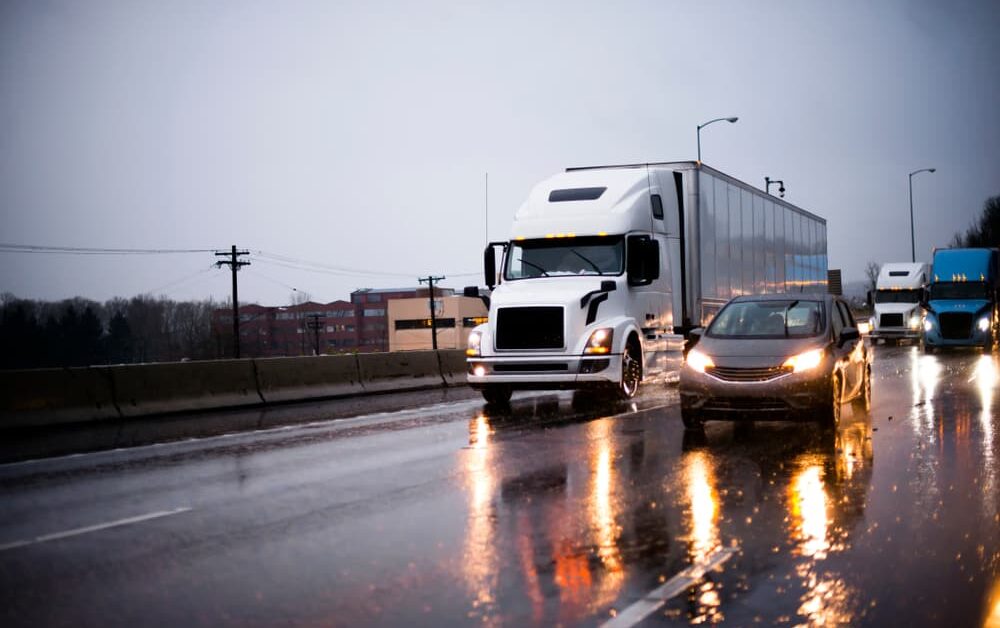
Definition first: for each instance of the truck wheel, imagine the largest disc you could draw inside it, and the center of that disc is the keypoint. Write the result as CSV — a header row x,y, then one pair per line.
x,y
829,413
864,399
631,372
928,349
497,395
692,419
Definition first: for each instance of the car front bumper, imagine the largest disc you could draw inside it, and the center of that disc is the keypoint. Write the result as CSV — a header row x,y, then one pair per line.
x,y
790,396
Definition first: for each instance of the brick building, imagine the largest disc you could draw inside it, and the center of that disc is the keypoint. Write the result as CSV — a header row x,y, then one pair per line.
x,y
359,325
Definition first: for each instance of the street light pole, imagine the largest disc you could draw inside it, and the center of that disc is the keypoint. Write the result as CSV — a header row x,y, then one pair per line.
x,y
913,244
701,126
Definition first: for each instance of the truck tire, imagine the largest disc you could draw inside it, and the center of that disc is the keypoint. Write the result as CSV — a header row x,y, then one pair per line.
x,y
628,385
829,412
497,395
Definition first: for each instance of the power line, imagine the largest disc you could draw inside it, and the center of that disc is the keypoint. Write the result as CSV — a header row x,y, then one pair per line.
x,y
80,250
177,282
302,263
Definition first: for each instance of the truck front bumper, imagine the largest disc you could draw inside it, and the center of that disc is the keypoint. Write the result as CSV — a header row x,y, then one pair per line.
x,y
544,372
895,333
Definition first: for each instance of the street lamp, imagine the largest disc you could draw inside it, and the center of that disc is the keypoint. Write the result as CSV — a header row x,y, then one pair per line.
x,y
913,246
701,126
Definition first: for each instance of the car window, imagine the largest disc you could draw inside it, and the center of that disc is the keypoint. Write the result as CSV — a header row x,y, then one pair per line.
x,y
837,320
846,312
768,319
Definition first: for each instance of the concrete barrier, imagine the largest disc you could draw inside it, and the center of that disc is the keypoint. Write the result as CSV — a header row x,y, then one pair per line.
x,y
453,366
55,396
180,387
406,370
292,379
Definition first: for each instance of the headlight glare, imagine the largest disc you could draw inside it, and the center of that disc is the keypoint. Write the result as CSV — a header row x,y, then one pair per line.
x,y
475,341
805,361
914,322
984,323
698,361
600,341
928,325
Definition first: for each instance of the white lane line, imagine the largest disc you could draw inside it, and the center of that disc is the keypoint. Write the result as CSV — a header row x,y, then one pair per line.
x,y
659,596
94,528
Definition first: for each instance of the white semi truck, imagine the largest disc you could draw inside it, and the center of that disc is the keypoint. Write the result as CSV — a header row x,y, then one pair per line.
x,y
609,268
898,289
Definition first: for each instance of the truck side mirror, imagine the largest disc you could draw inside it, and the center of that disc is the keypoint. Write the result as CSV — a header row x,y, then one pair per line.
x,y
490,267
643,260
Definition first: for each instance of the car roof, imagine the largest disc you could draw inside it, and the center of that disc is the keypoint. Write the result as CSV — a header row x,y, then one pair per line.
x,y
787,296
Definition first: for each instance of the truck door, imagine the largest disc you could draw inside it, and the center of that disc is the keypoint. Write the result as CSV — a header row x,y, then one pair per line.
x,y
645,302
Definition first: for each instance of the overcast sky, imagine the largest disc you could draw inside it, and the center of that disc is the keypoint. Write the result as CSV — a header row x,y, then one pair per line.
x,y
357,135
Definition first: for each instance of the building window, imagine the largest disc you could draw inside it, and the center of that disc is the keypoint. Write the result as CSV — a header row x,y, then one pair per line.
x,y
374,312
374,298
425,323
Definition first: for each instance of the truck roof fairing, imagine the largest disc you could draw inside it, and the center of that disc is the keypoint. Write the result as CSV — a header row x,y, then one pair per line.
x,y
623,206
902,276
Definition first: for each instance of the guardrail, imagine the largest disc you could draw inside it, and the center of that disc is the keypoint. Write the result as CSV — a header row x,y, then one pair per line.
x,y
50,397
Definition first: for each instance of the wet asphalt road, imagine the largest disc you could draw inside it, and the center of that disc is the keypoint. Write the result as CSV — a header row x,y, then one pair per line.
x,y
451,514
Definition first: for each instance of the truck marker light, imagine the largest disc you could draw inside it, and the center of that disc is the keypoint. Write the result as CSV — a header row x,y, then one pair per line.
x,y
602,233
549,236
984,323
600,341
698,361
519,238
805,360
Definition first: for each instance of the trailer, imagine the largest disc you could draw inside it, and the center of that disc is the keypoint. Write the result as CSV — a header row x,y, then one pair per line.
x,y
609,268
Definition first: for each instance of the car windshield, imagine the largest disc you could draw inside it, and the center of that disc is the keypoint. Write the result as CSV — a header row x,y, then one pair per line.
x,y
551,257
897,296
768,319
959,290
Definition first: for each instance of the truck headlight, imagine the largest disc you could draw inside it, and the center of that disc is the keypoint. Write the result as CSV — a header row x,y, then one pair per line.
x,y
928,324
914,322
805,360
475,341
698,361
984,323
600,341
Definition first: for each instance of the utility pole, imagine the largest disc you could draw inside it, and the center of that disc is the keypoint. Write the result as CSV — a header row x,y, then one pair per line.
x,y
315,323
234,264
430,282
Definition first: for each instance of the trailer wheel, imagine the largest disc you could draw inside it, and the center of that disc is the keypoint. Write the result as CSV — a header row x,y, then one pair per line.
x,y
631,371
497,395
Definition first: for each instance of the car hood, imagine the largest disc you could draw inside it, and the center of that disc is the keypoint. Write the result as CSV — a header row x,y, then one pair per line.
x,y
744,352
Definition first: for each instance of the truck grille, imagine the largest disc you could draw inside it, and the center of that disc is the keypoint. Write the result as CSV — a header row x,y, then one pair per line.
x,y
891,320
530,328
732,374
955,325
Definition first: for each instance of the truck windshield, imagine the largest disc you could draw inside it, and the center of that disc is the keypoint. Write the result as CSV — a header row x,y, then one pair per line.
x,y
768,319
897,296
959,290
553,257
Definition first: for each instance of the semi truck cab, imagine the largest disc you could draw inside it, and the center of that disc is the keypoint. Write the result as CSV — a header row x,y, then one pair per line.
x,y
961,301
898,292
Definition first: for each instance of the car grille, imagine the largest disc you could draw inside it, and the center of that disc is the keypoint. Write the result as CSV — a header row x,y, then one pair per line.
x,y
955,325
746,403
733,374
530,328
891,320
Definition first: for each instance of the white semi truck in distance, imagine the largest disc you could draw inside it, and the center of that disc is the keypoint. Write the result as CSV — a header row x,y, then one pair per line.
x,y
896,302
609,268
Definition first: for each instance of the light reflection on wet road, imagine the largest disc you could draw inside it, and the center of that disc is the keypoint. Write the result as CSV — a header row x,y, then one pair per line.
x,y
552,512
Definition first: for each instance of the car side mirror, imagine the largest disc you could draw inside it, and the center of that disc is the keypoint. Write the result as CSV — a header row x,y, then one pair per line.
x,y
848,334
693,337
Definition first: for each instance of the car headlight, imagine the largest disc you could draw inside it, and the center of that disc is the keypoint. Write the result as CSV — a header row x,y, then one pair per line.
x,y
928,324
600,341
805,360
475,342
698,361
914,322
984,323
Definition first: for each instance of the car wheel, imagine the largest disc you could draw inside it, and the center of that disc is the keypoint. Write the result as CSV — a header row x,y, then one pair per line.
x,y
864,399
497,395
631,372
829,413
692,419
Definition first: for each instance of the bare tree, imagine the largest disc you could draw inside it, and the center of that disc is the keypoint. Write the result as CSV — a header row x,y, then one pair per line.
x,y
871,275
985,231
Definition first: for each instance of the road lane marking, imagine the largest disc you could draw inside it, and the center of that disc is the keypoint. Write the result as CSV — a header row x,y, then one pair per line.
x,y
94,528
659,596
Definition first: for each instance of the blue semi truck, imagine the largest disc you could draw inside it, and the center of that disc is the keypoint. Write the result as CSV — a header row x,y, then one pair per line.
x,y
961,300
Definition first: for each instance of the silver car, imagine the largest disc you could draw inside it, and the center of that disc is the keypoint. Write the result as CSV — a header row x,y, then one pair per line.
x,y
778,356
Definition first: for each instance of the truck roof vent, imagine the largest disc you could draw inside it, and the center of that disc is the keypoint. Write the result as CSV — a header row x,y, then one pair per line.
x,y
898,273
576,194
